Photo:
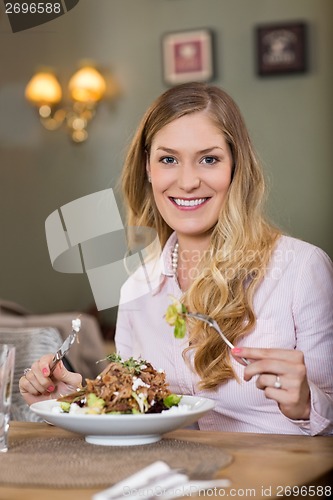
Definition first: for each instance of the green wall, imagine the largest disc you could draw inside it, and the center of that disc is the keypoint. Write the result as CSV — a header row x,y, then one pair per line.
x,y
289,117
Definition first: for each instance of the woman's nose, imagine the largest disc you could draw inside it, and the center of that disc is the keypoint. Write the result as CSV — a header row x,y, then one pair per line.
x,y
188,179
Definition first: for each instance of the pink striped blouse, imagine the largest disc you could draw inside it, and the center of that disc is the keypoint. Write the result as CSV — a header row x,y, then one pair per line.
x,y
294,310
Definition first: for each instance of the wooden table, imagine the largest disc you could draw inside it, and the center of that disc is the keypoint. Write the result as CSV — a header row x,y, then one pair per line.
x,y
264,465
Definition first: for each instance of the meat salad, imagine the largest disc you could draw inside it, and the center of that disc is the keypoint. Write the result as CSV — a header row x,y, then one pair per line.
x,y
132,386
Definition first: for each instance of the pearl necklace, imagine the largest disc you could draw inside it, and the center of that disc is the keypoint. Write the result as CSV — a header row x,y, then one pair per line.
x,y
174,259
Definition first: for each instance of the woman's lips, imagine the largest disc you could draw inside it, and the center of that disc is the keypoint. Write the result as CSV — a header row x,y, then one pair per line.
x,y
188,203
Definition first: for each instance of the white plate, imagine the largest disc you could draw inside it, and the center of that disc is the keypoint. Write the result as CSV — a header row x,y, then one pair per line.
x,y
124,430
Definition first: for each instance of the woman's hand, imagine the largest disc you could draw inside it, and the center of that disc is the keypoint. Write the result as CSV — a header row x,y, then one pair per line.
x,y
37,384
279,366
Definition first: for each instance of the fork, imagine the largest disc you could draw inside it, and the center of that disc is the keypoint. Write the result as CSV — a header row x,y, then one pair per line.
x,y
167,482
211,322
182,483
66,345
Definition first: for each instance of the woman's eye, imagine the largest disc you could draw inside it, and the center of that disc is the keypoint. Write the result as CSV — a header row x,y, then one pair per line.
x,y
209,160
168,160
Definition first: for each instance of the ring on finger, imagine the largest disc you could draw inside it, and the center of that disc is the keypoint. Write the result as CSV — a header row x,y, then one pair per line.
x,y
277,383
26,371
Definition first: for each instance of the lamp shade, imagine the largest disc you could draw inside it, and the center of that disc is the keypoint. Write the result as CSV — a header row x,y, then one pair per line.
x,y
43,88
87,85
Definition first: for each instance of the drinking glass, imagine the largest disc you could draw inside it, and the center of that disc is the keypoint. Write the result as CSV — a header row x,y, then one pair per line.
x,y
7,364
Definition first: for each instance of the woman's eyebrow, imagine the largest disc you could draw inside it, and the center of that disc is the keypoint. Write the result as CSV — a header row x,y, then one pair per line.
x,y
167,150
209,150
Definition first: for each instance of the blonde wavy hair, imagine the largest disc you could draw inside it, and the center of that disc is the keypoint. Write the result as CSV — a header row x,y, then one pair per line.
x,y
241,241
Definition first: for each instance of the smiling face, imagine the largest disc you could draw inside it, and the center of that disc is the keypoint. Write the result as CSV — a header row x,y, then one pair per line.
x,y
190,165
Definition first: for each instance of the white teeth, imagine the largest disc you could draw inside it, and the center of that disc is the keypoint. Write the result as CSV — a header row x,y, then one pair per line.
x,y
189,203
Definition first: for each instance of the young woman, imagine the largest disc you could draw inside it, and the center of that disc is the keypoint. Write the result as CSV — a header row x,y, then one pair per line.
x,y
191,174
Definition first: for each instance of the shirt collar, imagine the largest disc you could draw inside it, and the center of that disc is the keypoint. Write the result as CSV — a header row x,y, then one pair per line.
x,y
165,263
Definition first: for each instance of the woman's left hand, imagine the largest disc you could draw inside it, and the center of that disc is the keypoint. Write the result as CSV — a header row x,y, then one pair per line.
x,y
281,375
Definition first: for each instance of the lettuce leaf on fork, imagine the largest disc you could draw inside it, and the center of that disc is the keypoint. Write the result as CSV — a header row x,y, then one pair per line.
x,y
175,316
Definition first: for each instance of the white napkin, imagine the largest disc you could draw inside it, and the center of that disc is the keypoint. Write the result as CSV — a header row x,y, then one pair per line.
x,y
158,480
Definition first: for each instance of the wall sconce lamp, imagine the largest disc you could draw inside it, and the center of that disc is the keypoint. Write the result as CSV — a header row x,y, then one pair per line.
x,y
86,88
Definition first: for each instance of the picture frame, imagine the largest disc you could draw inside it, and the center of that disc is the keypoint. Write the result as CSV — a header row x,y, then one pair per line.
x,y
188,56
281,48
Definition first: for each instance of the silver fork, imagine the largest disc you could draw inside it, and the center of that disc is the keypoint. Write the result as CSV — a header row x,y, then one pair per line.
x,y
201,478
211,322
167,481
66,345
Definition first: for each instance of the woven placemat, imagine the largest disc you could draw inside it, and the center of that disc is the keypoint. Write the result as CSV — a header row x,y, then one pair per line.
x,y
71,462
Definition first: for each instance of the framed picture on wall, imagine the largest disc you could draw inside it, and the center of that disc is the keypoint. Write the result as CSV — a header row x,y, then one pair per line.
x,y
281,49
187,56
